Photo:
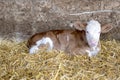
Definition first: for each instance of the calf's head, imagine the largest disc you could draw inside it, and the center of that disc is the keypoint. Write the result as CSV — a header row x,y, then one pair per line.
x,y
93,29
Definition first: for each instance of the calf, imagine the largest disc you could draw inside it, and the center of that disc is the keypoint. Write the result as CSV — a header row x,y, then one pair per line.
x,y
83,39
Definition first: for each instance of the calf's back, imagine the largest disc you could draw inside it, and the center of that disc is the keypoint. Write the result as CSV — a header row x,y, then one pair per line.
x,y
69,41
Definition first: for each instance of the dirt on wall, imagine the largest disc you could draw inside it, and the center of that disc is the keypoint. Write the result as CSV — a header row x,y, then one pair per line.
x,y
22,18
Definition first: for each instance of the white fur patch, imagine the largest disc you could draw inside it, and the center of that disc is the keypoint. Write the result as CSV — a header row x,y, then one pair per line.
x,y
33,49
93,52
46,40
93,30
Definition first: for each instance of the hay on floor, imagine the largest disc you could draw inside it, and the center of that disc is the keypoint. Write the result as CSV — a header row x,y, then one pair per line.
x,y
17,64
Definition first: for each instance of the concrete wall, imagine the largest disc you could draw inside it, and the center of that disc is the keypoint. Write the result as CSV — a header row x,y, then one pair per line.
x,y
22,18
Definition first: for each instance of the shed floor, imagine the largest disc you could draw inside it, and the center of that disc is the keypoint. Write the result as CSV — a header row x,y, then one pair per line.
x,y
17,64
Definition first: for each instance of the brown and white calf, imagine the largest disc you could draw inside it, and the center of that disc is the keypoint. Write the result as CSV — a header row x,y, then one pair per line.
x,y
83,39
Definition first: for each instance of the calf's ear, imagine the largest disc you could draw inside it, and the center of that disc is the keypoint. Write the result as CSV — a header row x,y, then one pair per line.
x,y
106,28
79,25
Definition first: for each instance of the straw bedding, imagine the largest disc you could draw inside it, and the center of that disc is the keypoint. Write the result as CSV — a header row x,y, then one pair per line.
x,y
17,64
